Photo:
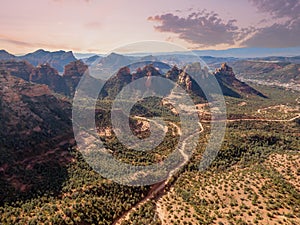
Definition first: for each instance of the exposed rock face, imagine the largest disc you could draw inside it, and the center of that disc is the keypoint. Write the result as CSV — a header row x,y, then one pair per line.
x,y
182,77
72,75
185,81
18,98
173,73
225,70
20,69
42,74
124,73
56,59
75,69
45,74
66,84
148,71
225,76
231,85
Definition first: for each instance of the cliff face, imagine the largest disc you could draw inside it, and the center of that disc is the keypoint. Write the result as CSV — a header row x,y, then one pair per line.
x,y
72,75
225,70
67,83
35,134
225,76
147,71
45,74
230,84
20,69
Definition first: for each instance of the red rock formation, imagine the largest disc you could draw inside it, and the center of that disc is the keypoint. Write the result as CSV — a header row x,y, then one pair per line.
x,y
72,75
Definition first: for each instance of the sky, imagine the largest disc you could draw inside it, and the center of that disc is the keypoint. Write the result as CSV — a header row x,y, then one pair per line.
x,y
100,26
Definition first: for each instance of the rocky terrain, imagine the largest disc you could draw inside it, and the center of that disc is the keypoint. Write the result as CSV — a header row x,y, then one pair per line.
x,y
43,178
225,76
35,135
230,84
45,74
72,75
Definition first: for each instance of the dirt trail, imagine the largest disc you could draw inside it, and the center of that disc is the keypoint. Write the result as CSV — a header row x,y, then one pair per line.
x,y
254,119
158,189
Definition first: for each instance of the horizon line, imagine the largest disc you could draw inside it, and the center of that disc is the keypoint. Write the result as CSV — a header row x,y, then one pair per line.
x,y
139,52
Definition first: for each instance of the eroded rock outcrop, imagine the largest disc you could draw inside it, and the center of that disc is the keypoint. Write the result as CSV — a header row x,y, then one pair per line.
x,y
231,85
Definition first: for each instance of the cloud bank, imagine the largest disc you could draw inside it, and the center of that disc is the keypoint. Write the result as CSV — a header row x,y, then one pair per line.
x,y
209,29
284,34
278,8
199,28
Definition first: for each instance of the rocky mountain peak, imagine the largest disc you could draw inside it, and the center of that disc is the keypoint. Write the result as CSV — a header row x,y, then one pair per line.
x,y
151,70
147,71
227,78
45,74
173,73
56,59
39,51
20,69
125,71
42,71
75,69
225,70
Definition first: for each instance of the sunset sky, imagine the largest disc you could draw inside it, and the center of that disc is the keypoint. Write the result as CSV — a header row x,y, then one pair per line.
x,y
101,25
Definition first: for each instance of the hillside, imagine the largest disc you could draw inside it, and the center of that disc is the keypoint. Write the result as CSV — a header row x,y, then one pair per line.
x,y
46,74
231,86
285,74
44,178
34,138
40,166
4,55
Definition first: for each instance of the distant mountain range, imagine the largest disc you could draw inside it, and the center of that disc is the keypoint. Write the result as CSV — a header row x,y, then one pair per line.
x,y
56,59
250,68
224,75
115,64
42,56
4,55
213,58
36,123
232,52
250,52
